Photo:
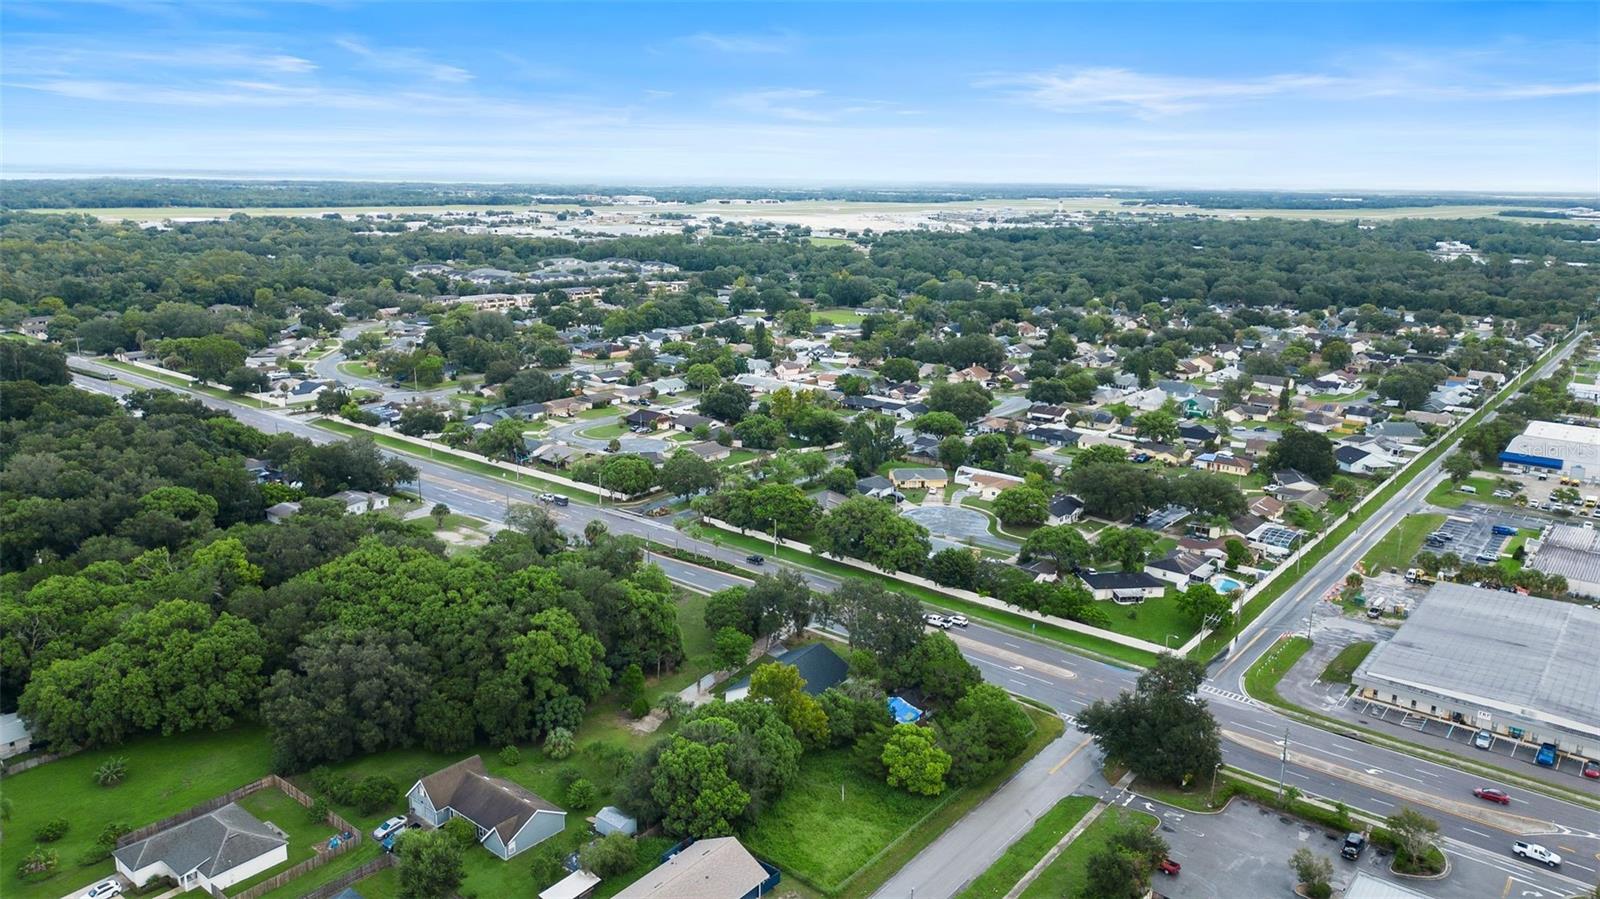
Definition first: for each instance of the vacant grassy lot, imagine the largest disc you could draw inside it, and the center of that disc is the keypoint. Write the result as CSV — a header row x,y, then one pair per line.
x,y
1402,543
1156,620
165,776
1448,494
1346,662
1065,876
823,838
1261,681
1022,855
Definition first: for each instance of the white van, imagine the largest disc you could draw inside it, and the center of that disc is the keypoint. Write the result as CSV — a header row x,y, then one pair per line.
x,y
1467,488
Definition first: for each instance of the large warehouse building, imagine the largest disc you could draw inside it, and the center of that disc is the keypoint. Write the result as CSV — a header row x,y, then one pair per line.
x,y
1519,666
1572,551
1548,446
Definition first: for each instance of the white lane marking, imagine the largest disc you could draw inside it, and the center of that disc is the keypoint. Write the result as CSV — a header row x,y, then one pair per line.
x,y
1478,832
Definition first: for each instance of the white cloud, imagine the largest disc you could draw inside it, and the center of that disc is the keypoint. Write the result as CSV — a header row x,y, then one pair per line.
x,y
782,103
741,43
404,61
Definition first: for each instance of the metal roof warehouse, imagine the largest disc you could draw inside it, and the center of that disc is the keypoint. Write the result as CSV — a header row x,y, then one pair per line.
x,y
1520,666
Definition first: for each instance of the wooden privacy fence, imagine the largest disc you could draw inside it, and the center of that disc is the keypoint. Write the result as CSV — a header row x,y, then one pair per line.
x,y
322,854
349,878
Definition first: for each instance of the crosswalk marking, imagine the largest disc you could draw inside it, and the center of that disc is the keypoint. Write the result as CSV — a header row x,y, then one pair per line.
x,y
1227,694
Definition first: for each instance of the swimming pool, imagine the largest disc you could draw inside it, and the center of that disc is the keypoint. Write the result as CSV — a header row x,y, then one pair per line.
x,y
1225,584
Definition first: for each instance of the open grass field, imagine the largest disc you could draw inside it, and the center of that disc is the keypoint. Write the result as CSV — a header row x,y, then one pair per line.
x,y
835,316
1155,620
1022,855
830,241
1065,876
1402,543
823,838
604,431
1448,494
165,776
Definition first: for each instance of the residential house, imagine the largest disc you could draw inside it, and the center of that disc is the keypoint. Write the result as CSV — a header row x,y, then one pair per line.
x,y
357,502
984,484
923,448
1065,509
878,487
919,478
819,666
1053,436
668,386
14,736
1321,422
35,326
1361,460
1196,434
688,421
974,373
710,450
559,455
1398,430
210,852
641,420
1182,568
1361,415
1225,463
567,406
278,513
1267,507
508,818
1122,586
717,868
1048,414
1197,367
1436,419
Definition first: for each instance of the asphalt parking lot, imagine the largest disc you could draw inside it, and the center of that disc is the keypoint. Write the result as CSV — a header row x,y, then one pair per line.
x,y
1244,852
1469,530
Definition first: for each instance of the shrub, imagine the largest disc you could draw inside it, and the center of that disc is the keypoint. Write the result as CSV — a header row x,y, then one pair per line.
x,y
374,793
640,707
616,854
52,830
111,771
38,864
547,865
104,844
462,831
581,794
510,756
558,743
337,787
317,811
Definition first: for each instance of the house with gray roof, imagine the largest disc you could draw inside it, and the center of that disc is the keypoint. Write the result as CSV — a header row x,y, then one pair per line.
x,y
509,818
718,868
210,852
819,666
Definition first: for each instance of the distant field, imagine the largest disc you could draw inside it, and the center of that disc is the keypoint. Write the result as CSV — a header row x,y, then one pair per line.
x,y
832,213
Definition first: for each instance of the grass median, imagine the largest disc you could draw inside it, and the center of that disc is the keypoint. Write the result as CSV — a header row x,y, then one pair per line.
x,y
1067,875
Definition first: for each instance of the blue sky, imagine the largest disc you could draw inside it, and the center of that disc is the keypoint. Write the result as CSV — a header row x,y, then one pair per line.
x,y
1467,96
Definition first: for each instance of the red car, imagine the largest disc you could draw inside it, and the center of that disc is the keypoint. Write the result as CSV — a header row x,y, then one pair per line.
x,y
1591,768
1493,795
1168,866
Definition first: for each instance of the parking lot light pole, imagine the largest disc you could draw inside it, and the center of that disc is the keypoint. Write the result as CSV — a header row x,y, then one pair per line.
x,y
1211,798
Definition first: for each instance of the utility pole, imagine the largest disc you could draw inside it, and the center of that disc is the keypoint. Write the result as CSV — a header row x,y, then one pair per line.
x,y
774,539
1283,763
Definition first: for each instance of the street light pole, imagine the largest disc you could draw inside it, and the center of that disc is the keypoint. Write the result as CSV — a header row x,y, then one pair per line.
x,y
774,539
1211,798
1283,763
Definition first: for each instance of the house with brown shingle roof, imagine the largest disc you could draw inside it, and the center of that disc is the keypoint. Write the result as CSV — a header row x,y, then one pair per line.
x,y
509,817
717,868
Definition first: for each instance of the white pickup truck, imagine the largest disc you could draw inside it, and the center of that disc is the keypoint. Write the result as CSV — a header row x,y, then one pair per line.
x,y
1533,852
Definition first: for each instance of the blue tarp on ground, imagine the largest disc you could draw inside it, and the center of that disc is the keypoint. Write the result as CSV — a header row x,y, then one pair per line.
x,y
903,712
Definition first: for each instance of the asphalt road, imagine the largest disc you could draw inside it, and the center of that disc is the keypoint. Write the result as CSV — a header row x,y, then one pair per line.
x,y
1362,775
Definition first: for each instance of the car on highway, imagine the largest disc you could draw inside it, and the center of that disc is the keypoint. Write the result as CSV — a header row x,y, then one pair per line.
x,y
1591,769
103,889
756,559
1547,755
957,620
1483,739
1353,844
938,621
389,828
1533,852
1491,794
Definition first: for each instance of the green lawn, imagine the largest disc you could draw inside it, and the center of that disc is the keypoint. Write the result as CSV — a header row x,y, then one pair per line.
x,y
604,432
915,497
1065,876
822,838
598,412
1026,852
1448,494
360,370
275,806
835,316
1402,543
1346,662
738,457
1261,681
1154,620
165,776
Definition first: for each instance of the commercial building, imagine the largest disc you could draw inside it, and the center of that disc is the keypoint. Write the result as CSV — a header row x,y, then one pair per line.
x,y
1572,450
1571,551
1520,666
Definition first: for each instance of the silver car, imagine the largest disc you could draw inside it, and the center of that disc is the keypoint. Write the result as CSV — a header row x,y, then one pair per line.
x,y
1483,739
